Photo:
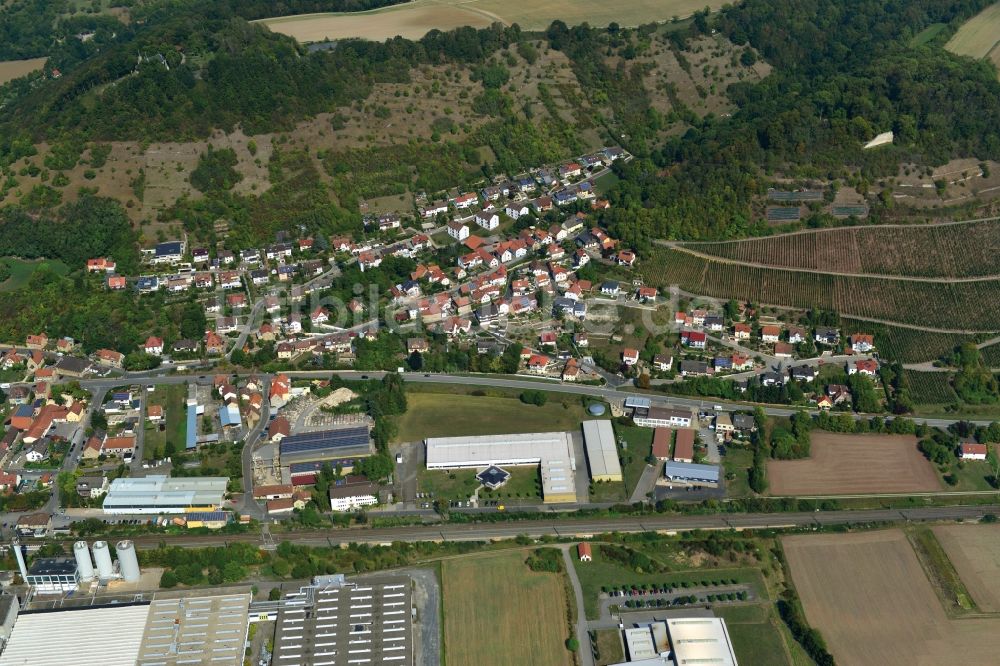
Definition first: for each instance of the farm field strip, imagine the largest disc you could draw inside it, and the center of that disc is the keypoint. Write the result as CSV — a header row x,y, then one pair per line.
x,y
974,550
944,306
846,464
499,613
963,250
13,69
977,36
415,19
870,599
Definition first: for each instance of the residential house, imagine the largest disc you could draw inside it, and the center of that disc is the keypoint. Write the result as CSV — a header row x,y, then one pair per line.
x,y
214,344
110,357
625,258
714,322
862,343
695,369
153,346
465,201
796,334
610,288
646,294
770,334
538,363
826,335
803,373
972,451
630,356
487,220
516,209
40,341
571,370
783,350
663,362
694,339
117,282
868,367
741,331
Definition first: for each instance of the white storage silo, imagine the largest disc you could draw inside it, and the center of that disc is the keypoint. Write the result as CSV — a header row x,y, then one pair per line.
x,y
128,562
102,557
84,565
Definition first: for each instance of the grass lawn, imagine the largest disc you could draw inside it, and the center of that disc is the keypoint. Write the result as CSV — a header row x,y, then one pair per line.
x,y
757,639
609,647
605,182
21,271
173,398
444,415
497,612
971,475
927,34
738,462
602,573
640,445
459,484
608,491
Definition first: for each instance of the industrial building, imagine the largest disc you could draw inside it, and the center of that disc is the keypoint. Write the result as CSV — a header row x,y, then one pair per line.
x,y
691,474
701,640
662,417
162,494
335,621
602,453
184,629
551,451
53,574
333,446
174,628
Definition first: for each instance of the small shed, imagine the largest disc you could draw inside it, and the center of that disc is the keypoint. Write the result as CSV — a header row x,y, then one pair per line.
x,y
583,552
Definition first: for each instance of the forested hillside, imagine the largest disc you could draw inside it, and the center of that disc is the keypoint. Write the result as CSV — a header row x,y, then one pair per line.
x,y
474,103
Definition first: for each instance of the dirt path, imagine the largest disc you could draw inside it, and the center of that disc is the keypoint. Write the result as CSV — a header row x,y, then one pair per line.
x,y
673,245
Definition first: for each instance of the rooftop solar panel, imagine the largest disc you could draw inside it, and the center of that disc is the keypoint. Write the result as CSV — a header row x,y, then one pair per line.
x,y
325,439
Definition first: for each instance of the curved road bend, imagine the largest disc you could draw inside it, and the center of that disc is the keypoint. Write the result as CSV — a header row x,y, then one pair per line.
x,y
572,527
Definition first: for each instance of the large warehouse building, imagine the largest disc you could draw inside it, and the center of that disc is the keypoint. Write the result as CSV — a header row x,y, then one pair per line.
x,y
602,454
176,628
341,445
701,640
162,494
335,621
551,451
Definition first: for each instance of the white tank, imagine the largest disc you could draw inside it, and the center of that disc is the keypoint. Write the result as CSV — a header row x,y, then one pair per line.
x,y
83,562
128,563
102,557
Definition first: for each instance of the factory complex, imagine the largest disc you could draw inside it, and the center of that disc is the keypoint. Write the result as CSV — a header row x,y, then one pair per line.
x,y
156,494
174,628
333,621
553,452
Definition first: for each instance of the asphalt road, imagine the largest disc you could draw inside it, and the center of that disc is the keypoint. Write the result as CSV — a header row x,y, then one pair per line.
x,y
570,527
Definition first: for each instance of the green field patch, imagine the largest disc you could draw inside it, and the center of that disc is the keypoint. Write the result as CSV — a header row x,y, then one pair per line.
x,y
19,271
452,415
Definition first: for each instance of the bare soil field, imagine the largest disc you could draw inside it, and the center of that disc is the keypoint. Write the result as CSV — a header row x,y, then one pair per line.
x,y
978,35
974,550
870,599
13,69
415,19
916,186
845,464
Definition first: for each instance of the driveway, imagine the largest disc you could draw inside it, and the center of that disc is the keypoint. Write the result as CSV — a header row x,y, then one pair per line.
x,y
586,651
647,482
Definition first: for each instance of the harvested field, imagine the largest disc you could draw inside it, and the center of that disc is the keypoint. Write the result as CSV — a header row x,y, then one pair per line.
x,y
415,19
13,69
943,305
497,612
870,599
845,464
974,550
978,35
411,21
948,250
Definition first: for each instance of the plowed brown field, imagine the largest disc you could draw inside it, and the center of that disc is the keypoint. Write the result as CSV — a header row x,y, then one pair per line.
x,y
846,464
